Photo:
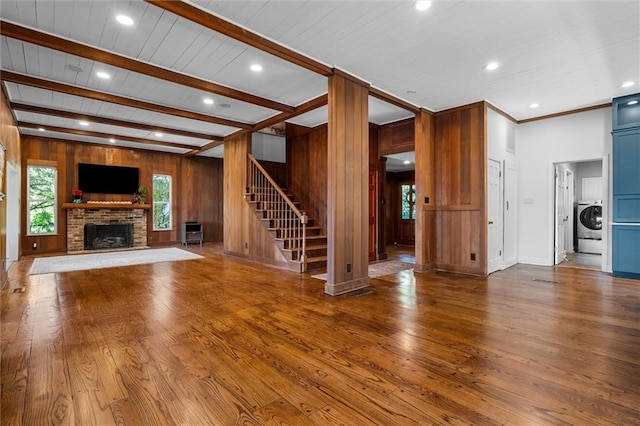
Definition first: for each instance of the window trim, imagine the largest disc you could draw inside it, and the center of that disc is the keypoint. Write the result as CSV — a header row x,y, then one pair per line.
x,y
55,199
169,202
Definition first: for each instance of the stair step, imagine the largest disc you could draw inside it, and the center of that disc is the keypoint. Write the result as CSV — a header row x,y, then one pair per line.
x,y
312,259
308,247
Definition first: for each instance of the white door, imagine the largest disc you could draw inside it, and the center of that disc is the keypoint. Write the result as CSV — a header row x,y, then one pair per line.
x,y
495,217
570,196
561,214
510,252
13,213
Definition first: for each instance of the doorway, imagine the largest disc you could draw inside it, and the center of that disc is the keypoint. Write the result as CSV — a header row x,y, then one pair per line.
x,y
579,211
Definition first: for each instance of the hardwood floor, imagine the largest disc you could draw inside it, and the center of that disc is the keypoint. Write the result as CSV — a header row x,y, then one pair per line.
x,y
223,341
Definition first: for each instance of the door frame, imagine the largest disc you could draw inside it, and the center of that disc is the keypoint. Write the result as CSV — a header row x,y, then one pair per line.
x,y
499,226
606,209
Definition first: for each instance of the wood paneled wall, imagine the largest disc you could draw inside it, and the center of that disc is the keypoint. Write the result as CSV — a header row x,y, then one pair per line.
x,y
10,138
460,184
347,180
244,234
197,186
426,198
236,209
307,169
397,137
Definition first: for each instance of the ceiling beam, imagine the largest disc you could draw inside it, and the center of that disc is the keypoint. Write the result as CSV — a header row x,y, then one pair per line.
x,y
106,144
44,39
115,99
220,25
111,121
93,134
393,100
303,108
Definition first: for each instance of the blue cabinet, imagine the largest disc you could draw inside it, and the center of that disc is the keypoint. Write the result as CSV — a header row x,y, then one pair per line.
x,y
625,238
626,251
626,112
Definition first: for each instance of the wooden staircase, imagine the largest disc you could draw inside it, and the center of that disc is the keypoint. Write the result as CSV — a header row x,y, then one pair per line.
x,y
298,237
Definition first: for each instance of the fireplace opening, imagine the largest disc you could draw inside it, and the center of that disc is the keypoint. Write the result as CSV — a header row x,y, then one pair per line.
x,y
113,235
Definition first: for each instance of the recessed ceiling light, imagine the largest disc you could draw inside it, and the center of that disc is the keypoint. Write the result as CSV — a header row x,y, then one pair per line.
x,y
633,102
208,101
83,123
41,129
534,105
628,84
422,5
112,140
411,92
492,66
256,68
158,134
103,74
124,20
406,162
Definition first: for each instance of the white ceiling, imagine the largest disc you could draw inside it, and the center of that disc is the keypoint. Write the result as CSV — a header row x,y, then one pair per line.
x,y
563,55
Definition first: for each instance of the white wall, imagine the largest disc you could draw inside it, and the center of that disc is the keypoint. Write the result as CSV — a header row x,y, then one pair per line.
x,y
501,131
269,147
539,144
587,170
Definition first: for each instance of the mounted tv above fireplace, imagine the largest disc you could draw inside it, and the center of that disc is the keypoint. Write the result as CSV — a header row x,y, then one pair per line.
x,y
100,179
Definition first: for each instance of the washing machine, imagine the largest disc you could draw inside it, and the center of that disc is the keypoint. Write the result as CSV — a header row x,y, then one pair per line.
x,y
590,226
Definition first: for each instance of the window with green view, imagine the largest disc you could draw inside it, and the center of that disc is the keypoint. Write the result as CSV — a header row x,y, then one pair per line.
x,y
161,202
408,200
41,200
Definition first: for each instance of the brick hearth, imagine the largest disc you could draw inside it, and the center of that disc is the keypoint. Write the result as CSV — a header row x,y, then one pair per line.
x,y
78,216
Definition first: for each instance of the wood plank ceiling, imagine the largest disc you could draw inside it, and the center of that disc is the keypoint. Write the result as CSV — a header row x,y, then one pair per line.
x,y
161,70
176,54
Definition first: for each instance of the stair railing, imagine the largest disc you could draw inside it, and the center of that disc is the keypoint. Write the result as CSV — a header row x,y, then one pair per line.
x,y
291,222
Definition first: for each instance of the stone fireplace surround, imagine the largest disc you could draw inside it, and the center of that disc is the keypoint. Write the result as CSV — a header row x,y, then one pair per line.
x,y
79,215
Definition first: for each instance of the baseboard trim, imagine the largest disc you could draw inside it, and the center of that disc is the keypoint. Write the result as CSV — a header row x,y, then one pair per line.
x,y
346,287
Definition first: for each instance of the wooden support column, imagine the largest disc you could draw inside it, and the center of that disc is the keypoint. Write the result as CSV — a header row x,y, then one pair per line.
x,y
382,230
236,210
347,178
425,191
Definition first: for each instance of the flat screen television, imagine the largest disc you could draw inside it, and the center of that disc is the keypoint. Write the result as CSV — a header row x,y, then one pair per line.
x,y
100,179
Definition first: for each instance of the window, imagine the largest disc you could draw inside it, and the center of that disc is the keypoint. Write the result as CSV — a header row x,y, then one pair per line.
x,y
41,195
161,202
408,200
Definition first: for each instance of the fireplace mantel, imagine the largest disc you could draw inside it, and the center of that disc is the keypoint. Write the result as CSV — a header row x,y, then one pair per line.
x,y
113,206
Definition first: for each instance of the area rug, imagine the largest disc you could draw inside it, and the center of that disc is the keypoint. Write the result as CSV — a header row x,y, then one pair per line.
x,y
76,262
380,269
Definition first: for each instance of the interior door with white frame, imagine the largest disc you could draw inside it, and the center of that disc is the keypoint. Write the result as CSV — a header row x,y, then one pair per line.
x,y
495,227
510,249
561,216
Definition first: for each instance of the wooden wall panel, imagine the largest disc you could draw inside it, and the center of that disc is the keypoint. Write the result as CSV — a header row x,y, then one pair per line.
x,y
307,169
347,180
10,138
197,186
425,191
460,184
236,209
244,233
397,137
278,171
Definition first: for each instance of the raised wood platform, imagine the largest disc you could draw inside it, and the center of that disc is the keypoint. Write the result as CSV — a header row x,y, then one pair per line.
x,y
221,341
